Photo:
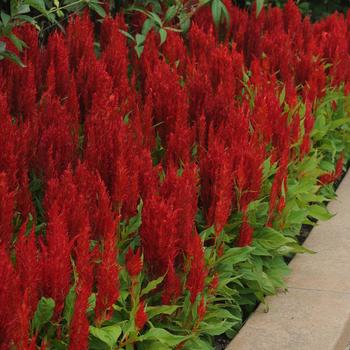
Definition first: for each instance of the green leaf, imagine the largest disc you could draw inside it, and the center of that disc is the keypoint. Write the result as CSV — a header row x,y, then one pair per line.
x,y
140,39
128,35
58,344
108,334
294,248
2,47
97,8
163,336
197,344
319,213
272,239
282,95
38,5
226,15
185,22
5,18
296,216
216,328
43,313
216,11
22,9
170,13
147,26
156,18
163,34
17,41
339,122
207,233
235,255
152,285
220,314
91,302
259,6
152,345
136,221
161,310
139,50
327,166
27,19
69,305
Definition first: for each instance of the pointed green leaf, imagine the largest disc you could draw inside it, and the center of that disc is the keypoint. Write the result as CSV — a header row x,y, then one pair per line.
x,y
108,334
152,285
43,313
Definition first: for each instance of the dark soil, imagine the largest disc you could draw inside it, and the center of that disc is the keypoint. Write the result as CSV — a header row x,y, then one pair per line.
x,y
221,342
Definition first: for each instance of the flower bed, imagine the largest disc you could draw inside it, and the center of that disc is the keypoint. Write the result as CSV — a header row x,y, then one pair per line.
x,y
150,202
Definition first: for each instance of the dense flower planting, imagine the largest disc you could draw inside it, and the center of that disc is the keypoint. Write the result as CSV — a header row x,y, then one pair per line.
x,y
145,203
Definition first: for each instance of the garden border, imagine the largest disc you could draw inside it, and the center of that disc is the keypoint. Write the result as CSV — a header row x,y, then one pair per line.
x,y
315,311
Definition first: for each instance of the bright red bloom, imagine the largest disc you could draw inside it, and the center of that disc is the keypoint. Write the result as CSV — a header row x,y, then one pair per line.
x,y
141,316
202,309
133,262
56,260
10,301
24,342
6,212
57,59
79,328
107,276
172,285
246,233
214,282
333,176
195,282
308,126
29,267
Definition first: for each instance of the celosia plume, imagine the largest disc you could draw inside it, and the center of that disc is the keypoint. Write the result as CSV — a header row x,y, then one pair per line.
x,y
141,316
133,262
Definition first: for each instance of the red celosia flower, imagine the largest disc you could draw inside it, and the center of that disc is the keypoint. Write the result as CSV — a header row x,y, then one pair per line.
x,y
107,276
24,342
141,316
29,267
79,40
195,282
10,301
308,126
172,285
281,204
280,179
56,260
6,212
202,309
57,58
333,176
133,262
158,233
246,233
98,203
217,182
79,328
339,166
214,283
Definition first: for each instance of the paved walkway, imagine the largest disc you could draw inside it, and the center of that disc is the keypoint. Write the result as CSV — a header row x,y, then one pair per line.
x,y
315,312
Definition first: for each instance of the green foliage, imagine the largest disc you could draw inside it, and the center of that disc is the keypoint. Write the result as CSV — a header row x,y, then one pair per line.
x,y
43,313
314,8
37,13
